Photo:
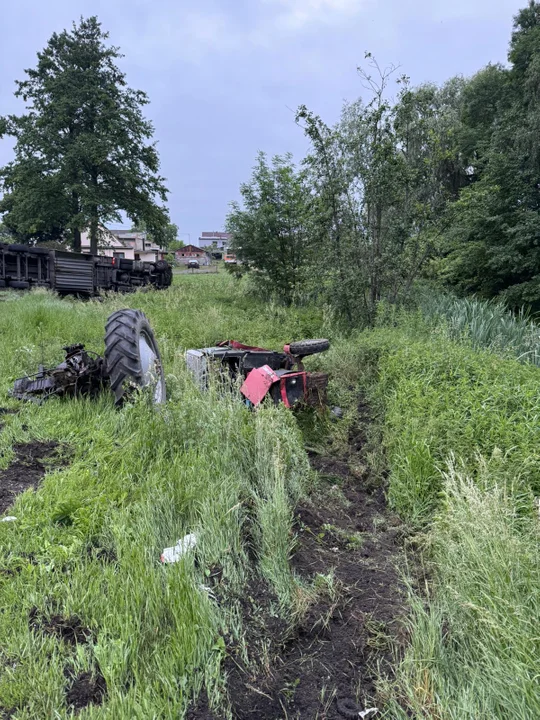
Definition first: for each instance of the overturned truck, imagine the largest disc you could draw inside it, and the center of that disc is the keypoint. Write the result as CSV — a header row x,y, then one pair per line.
x,y
23,267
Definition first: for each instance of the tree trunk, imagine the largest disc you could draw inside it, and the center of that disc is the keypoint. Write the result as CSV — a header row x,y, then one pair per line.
x,y
76,240
76,231
332,181
94,218
376,279
94,235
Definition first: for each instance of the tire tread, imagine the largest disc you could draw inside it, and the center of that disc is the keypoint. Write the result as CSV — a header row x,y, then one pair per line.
x,y
309,347
122,350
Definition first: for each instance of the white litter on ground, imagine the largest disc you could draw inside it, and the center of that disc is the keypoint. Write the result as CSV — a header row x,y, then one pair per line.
x,y
364,713
9,518
173,554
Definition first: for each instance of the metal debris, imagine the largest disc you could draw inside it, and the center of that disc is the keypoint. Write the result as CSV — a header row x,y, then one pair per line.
x,y
80,373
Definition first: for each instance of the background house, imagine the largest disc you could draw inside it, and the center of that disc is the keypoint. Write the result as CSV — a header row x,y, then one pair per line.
x,y
127,244
191,252
217,243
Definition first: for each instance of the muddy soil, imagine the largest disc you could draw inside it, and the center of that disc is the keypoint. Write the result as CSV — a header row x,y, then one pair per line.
x,y
25,471
85,689
70,629
326,668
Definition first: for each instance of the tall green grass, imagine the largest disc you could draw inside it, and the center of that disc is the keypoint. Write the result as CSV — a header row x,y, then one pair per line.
x,y
460,441
484,324
475,649
459,427
88,541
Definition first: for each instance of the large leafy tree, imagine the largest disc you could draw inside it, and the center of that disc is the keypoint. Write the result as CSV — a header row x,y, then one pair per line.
x,y
379,179
493,238
444,180
270,228
83,150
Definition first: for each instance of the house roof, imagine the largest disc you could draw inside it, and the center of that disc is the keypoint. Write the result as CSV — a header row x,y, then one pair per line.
x,y
217,234
121,239
191,248
132,234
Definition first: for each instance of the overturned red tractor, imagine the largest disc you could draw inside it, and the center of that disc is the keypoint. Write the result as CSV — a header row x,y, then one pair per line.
x,y
132,361
265,373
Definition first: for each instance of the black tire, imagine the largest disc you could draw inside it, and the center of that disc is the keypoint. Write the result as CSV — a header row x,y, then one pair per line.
x,y
308,347
19,284
161,265
128,340
168,277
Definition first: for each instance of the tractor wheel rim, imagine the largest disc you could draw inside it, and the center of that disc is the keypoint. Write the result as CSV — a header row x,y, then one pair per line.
x,y
151,367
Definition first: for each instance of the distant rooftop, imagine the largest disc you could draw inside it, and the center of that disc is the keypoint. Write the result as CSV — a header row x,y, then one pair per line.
x,y
217,234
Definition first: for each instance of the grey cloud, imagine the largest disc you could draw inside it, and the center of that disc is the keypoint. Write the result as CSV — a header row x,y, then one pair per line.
x,y
223,76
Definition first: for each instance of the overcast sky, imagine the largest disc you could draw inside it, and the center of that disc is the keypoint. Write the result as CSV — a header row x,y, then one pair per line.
x,y
224,77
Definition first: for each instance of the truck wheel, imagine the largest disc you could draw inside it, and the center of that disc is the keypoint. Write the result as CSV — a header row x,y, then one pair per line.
x,y
308,347
161,265
19,284
132,357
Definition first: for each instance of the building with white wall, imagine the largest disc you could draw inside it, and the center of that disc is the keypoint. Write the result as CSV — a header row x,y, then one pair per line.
x,y
127,244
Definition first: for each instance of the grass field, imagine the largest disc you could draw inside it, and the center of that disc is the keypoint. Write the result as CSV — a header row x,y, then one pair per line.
x,y
87,544
455,432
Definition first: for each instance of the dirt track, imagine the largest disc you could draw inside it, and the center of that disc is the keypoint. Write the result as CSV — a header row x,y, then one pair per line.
x,y
327,666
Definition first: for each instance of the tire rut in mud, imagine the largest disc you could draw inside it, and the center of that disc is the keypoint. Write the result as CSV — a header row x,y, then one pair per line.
x,y
68,629
84,689
330,662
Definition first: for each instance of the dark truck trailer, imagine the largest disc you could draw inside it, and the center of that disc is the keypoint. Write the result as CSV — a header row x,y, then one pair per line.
x,y
23,267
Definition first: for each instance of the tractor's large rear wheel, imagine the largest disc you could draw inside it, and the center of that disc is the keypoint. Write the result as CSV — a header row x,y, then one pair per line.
x,y
132,357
